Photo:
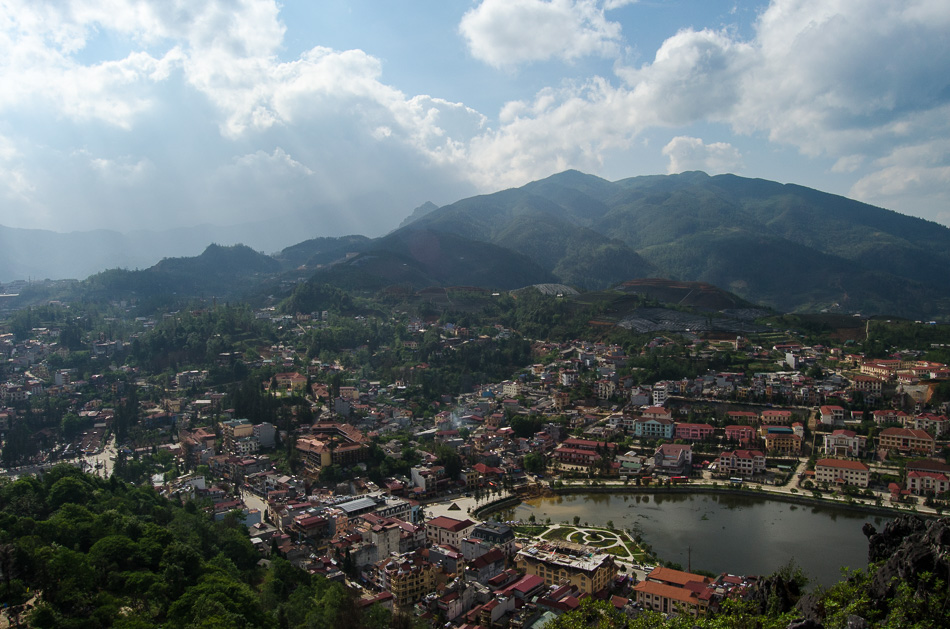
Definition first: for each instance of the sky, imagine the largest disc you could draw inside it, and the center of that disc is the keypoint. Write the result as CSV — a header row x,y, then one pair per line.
x,y
154,114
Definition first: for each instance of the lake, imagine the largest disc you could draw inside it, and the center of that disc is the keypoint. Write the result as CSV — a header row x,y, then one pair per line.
x,y
724,532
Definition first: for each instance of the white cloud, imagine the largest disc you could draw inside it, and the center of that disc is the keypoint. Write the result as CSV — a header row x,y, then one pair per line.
x,y
915,176
507,33
686,153
609,5
850,81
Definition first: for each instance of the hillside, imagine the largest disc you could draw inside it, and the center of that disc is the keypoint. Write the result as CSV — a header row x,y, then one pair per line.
x,y
221,271
780,245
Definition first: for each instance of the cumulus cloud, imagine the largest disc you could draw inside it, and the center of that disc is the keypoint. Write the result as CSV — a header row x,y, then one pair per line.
x,y
865,85
507,33
851,81
686,153
916,175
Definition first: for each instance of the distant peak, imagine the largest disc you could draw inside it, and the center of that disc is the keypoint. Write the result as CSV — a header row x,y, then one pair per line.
x,y
426,208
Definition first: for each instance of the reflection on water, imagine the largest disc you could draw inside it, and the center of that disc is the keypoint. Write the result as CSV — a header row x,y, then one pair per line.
x,y
724,532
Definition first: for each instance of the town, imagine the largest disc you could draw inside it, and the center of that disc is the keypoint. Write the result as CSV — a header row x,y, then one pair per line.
x,y
376,450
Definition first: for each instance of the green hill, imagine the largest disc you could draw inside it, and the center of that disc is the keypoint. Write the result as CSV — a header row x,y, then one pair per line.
x,y
780,245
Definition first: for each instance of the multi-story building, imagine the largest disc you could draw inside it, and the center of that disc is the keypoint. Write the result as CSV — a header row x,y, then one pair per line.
x,y
562,563
906,440
444,530
741,463
673,459
674,592
693,432
408,578
235,430
936,425
842,472
844,443
832,415
782,439
582,451
653,428
743,435
922,483
500,535
870,386
776,417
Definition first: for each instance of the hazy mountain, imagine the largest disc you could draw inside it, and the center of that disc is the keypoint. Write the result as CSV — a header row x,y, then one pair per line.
x,y
786,246
780,245
427,258
218,271
316,252
426,208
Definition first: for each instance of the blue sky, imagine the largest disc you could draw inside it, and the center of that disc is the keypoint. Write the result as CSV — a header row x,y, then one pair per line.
x,y
147,114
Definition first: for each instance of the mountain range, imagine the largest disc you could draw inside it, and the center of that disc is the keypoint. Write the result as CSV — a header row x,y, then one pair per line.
x,y
783,246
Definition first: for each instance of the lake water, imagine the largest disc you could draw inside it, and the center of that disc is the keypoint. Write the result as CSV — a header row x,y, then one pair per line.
x,y
724,533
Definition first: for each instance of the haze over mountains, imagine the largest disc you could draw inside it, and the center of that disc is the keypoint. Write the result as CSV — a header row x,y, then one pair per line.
x,y
779,245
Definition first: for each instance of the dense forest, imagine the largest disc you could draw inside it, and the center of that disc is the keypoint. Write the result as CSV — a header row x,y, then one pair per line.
x,y
101,553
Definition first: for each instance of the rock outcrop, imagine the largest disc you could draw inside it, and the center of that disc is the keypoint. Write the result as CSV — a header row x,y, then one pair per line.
x,y
907,548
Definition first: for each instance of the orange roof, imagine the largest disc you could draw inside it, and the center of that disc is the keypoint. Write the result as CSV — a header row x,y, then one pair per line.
x,y
667,591
842,464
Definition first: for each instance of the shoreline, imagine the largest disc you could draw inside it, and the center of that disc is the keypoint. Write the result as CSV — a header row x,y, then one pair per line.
x,y
489,508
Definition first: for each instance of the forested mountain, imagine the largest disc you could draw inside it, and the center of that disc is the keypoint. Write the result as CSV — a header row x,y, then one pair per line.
x,y
217,271
781,245
103,553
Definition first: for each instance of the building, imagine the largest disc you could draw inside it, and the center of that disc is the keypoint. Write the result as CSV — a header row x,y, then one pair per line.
x,y
741,463
870,386
563,563
497,534
693,432
923,483
844,443
936,425
235,430
443,530
776,417
408,578
653,427
674,592
743,435
782,439
906,440
582,451
673,459
832,416
842,472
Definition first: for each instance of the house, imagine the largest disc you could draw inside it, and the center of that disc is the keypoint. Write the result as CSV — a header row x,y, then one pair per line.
x,y
657,412
673,459
923,483
781,439
844,443
741,463
749,417
936,425
870,386
906,440
889,416
670,591
582,451
444,530
653,428
842,472
832,415
776,417
743,435
693,432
